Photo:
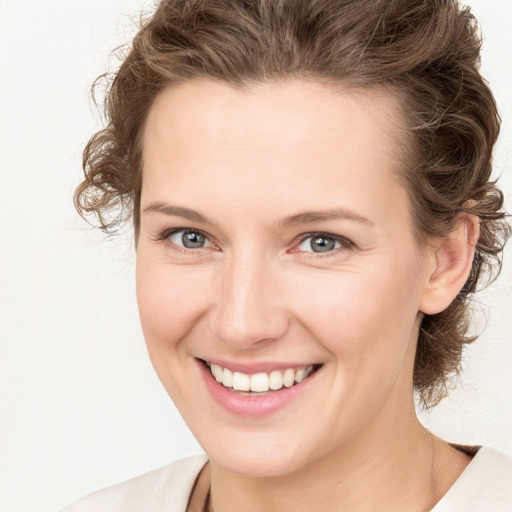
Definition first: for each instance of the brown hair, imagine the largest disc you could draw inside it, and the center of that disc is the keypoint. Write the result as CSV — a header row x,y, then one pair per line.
x,y
425,51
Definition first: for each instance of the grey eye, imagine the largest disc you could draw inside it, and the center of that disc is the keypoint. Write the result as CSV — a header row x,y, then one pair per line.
x,y
319,243
189,239
193,240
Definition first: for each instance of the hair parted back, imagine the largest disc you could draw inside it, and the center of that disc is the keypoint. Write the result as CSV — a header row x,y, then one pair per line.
x,y
426,52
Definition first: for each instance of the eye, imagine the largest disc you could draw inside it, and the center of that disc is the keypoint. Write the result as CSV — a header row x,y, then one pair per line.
x,y
189,239
322,242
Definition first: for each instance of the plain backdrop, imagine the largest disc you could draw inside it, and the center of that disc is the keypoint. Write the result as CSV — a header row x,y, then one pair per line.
x,y
80,406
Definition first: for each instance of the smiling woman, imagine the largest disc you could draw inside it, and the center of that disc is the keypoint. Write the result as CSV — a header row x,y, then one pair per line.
x,y
313,211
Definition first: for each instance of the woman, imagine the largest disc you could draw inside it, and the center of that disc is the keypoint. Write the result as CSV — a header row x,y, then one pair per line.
x,y
309,183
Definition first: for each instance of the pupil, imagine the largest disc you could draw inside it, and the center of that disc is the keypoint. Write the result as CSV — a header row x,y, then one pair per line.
x,y
192,240
321,244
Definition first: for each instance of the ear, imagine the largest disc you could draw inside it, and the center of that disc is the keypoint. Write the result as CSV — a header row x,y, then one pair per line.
x,y
451,264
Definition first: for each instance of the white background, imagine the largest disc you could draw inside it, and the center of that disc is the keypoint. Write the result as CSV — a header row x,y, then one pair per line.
x,y
80,407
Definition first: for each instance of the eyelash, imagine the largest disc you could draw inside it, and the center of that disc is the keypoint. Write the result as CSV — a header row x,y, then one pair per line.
x,y
166,234
344,242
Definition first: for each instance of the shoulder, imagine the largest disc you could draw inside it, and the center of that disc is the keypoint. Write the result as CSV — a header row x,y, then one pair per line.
x,y
165,489
486,484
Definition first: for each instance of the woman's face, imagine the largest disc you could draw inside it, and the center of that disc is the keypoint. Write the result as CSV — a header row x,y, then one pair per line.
x,y
275,237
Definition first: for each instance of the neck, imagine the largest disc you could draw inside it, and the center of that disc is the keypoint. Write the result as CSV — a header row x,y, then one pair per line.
x,y
390,466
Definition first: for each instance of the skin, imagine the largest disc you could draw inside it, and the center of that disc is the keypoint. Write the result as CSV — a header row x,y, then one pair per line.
x,y
245,159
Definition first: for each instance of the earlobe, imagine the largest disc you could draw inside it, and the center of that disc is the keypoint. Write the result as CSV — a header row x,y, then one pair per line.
x,y
452,261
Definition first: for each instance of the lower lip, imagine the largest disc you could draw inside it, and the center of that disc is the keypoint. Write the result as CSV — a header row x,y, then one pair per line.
x,y
253,406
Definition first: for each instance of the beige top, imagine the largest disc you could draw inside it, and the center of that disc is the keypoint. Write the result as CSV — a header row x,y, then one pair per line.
x,y
484,486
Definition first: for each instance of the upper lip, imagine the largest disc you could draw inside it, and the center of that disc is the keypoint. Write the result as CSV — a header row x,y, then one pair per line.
x,y
257,367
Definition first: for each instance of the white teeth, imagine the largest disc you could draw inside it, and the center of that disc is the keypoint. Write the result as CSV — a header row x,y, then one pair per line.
x,y
275,380
259,382
227,379
241,381
289,378
299,376
217,372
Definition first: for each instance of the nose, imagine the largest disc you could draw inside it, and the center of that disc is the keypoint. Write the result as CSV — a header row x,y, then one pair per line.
x,y
248,311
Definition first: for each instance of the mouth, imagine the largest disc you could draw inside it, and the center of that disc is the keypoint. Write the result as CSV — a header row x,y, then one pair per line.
x,y
257,390
261,383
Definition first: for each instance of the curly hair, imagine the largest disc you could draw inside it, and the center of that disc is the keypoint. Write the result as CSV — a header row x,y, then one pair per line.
x,y
427,52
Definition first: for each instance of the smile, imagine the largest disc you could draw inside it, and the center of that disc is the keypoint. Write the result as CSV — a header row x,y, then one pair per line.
x,y
259,382
256,390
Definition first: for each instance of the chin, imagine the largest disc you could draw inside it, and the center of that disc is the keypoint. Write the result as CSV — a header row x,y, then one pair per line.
x,y
257,458
257,467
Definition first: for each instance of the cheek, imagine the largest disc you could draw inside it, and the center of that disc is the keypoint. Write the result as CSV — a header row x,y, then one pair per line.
x,y
170,302
361,313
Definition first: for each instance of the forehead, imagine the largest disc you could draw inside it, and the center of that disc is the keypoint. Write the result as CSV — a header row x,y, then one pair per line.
x,y
290,110
292,137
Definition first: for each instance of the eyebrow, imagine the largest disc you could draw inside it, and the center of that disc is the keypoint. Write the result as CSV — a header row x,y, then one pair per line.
x,y
178,211
306,217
